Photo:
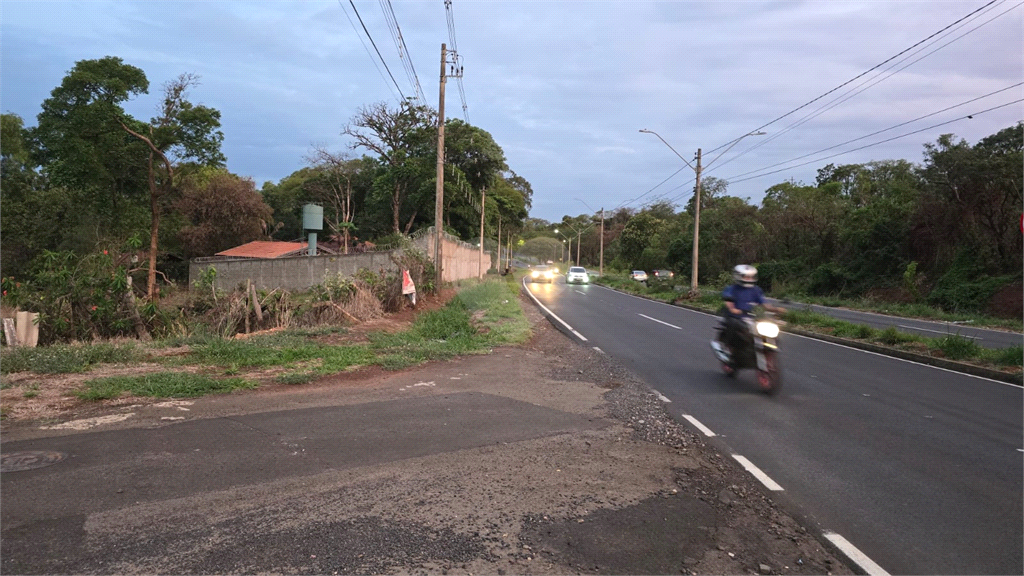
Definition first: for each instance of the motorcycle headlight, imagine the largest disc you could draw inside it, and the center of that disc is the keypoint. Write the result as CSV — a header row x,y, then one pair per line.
x,y
768,329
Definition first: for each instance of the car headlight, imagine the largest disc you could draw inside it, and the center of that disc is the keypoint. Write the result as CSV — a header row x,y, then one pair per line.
x,y
768,329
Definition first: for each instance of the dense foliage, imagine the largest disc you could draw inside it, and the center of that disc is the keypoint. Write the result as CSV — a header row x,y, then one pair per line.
x,y
946,232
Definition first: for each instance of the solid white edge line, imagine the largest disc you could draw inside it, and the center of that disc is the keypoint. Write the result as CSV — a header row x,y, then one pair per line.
x,y
707,431
659,321
749,466
855,555
825,341
662,397
553,315
598,349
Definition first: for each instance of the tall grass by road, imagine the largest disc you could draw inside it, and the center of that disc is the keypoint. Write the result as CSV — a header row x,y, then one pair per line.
x,y
481,316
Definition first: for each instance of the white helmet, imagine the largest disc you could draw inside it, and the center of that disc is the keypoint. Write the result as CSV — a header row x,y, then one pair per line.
x,y
745,275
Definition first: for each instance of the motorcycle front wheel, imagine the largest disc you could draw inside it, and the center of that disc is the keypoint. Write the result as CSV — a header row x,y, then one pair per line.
x,y
770,379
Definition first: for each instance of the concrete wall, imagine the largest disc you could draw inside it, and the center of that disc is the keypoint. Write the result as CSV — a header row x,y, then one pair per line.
x,y
298,273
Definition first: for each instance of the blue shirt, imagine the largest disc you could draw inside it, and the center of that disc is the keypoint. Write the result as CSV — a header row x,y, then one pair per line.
x,y
743,297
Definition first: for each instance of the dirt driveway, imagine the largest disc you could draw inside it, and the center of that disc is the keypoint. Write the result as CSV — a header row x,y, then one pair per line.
x,y
631,492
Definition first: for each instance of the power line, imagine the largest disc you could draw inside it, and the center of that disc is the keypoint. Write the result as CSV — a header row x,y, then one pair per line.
x,y
869,83
455,48
875,67
368,35
968,116
403,50
368,53
919,118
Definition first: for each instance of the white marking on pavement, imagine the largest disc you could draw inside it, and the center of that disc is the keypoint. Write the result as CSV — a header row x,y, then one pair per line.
x,y
552,314
855,555
87,423
768,482
662,397
659,321
937,331
580,292
707,431
598,349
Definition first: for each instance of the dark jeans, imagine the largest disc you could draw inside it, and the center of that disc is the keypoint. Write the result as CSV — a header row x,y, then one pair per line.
x,y
732,330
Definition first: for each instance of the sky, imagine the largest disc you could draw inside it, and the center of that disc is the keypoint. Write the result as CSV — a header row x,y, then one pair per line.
x,y
564,87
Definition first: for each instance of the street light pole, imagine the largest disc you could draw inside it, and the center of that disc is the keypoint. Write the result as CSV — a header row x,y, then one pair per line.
x,y
697,196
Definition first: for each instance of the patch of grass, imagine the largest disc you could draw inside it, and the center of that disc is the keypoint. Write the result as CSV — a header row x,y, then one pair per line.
x,y
295,378
957,347
893,337
160,385
32,392
1013,356
859,331
65,359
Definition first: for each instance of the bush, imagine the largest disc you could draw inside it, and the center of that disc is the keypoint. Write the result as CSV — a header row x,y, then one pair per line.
x,y
957,347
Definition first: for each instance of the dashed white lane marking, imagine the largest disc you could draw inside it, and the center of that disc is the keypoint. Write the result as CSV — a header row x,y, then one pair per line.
x,y
662,397
749,466
707,431
598,349
935,331
659,321
855,555
552,314
580,292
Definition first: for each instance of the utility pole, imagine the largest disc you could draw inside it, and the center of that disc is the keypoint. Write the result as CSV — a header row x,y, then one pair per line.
x,y
579,237
456,72
601,272
696,226
483,203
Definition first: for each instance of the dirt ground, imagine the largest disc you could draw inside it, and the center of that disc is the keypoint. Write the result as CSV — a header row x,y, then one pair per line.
x,y
641,495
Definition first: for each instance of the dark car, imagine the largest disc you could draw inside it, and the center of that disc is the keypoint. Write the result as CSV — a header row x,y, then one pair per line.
x,y
664,274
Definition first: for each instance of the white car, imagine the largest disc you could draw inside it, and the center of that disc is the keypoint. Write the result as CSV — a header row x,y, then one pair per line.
x,y
639,275
577,275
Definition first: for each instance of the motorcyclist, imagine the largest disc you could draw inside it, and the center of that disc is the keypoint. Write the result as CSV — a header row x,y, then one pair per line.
x,y
740,299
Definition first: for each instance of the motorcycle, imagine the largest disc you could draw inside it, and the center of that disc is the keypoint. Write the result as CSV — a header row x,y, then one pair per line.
x,y
758,348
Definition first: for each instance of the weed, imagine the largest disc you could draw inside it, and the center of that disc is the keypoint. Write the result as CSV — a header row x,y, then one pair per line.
x,y
1013,356
160,385
957,347
892,337
65,359
295,378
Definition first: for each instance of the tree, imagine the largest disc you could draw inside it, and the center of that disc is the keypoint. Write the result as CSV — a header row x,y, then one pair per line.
x,y
181,131
332,185
401,138
82,148
637,235
223,211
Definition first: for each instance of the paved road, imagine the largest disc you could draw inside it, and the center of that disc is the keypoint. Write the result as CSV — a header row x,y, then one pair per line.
x,y
919,468
985,338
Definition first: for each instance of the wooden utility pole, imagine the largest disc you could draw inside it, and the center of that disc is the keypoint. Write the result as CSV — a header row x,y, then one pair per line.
x,y
696,227
439,199
601,272
483,203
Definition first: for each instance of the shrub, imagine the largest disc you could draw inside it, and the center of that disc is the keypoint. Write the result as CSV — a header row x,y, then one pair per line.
x,y
957,347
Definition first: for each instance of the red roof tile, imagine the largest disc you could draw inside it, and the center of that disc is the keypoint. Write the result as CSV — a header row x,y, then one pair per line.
x,y
261,249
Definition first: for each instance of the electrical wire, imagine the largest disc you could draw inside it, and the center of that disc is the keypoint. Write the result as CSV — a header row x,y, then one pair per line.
x,y
875,67
368,35
731,180
368,53
900,125
403,50
869,83
455,48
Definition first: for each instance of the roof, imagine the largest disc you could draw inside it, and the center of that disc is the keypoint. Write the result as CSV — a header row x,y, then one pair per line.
x,y
264,249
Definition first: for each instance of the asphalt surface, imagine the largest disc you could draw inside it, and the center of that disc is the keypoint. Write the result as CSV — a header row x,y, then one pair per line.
x,y
984,337
918,467
547,459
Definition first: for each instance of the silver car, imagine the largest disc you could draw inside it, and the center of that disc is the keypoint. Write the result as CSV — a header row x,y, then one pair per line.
x,y
577,275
